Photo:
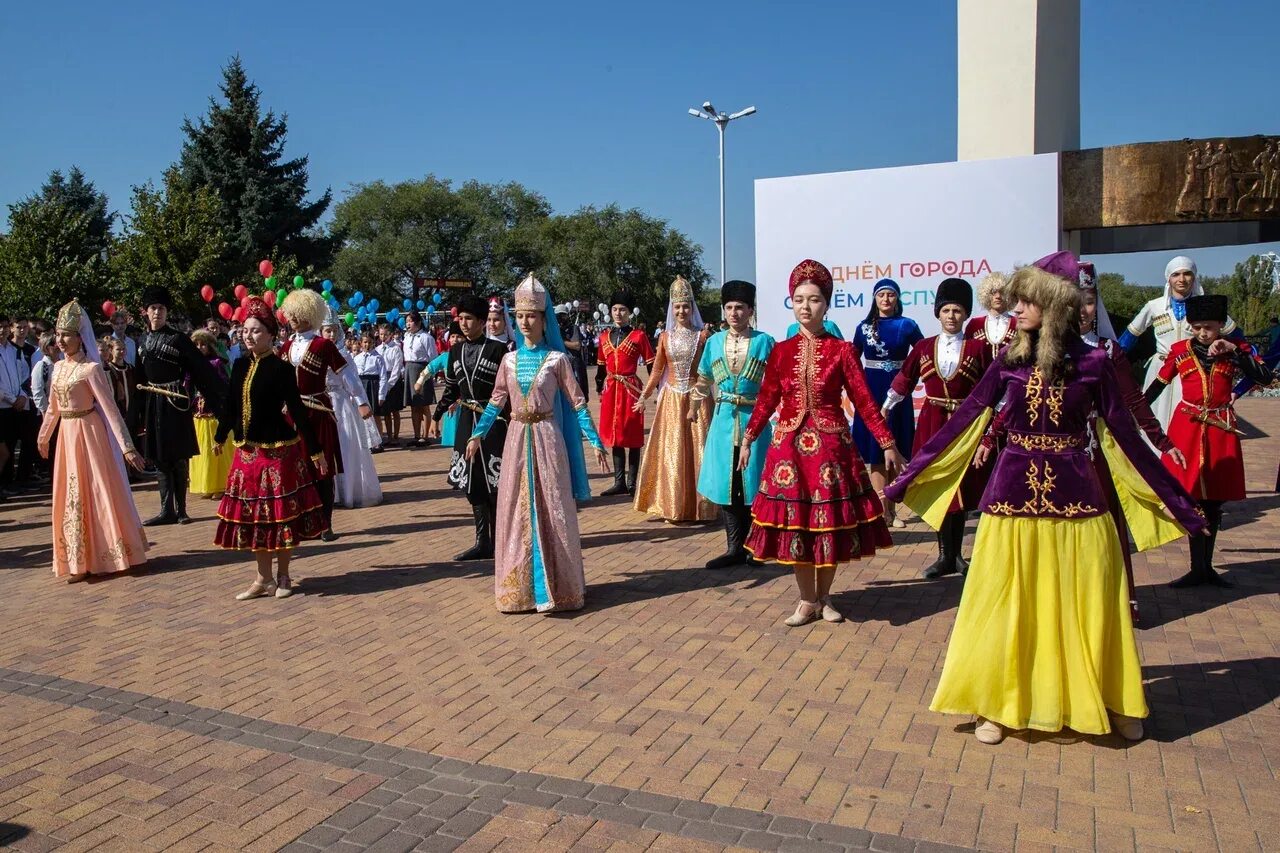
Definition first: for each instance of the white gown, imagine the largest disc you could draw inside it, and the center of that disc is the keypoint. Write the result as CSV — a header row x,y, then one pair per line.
x,y
358,484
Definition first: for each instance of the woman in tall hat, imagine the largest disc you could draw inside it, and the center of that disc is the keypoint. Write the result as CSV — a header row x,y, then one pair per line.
x,y
1043,638
96,529
358,484
949,365
995,328
1166,315
667,485
883,340
271,502
1203,426
815,508
538,552
620,352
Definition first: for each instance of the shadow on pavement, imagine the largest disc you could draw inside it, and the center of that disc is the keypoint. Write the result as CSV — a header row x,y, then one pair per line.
x,y
660,583
1160,605
213,556
1191,697
899,602
11,832
386,578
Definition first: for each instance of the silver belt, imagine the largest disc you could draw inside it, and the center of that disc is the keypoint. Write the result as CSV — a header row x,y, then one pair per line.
x,y
883,365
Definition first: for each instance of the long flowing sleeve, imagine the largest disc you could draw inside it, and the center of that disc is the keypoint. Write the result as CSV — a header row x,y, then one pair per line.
x,y
768,397
659,367
497,400
51,414
703,380
1137,403
855,385
571,390
1149,494
105,399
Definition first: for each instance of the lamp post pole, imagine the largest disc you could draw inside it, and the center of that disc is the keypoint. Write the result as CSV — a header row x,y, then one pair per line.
x,y
721,121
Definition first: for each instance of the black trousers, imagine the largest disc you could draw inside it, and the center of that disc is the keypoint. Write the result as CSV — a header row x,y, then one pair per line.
x,y
172,478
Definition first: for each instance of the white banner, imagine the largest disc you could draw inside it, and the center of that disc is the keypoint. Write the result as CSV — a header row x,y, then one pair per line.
x,y
915,224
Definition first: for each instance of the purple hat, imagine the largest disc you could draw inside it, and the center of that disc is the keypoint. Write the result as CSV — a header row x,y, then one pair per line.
x,y
1062,264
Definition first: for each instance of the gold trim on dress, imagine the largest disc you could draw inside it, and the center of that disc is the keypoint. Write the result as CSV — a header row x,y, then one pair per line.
x,y
1042,441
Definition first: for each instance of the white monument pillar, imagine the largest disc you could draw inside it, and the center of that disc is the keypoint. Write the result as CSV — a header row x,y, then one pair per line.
x,y
1019,77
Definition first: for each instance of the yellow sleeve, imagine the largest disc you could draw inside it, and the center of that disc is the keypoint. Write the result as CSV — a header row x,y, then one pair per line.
x,y
930,493
1150,523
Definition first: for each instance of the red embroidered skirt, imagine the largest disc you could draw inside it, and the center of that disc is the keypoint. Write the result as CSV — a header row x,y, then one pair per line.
x,y
815,504
271,502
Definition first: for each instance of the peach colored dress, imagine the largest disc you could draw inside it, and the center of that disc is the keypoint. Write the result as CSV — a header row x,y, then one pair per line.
x,y
96,529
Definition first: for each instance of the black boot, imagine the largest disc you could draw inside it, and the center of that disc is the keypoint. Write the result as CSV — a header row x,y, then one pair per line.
x,y
744,529
1202,548
181,480
942,565
325,488
164,480
1195,577
633,469
619,486
483,549
733,555
957,544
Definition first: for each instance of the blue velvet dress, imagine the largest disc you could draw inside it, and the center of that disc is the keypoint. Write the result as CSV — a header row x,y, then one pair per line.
x,y
883,351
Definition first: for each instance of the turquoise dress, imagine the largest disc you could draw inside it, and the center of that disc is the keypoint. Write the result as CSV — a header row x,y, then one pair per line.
x,y
735,396
449,423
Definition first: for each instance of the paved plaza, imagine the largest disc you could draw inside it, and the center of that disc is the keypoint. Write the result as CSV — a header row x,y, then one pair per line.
x,y
391,707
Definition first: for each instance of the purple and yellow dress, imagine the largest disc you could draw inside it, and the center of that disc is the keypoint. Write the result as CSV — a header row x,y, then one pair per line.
x,y
1044,638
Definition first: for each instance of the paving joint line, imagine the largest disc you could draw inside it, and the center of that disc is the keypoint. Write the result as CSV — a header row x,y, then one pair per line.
x,y
446,800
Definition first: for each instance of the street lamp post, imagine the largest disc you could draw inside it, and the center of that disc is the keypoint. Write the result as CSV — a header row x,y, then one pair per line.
x,y
721,121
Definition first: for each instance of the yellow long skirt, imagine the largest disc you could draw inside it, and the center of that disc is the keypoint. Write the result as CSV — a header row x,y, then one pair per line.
x,y
1043,638
209,472
667,482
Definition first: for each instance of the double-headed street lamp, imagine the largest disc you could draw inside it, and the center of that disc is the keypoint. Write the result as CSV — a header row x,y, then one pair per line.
x,y
722,121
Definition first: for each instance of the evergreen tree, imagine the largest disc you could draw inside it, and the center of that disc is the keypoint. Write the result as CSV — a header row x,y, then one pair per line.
x,y
57,247
238,153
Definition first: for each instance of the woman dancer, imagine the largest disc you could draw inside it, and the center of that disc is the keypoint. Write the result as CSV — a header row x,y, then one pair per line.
x,y
209,467
884,340
815,507
667,485
1043,638
358,484
538,553
96,528
271,502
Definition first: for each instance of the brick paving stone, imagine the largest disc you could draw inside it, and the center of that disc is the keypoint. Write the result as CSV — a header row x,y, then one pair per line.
x,y
674,682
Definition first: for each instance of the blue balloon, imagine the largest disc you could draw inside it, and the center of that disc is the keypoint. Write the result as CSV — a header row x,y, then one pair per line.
x,y
326,285
436,299
400,323
408,305
422,306
356,299
393,314
373,304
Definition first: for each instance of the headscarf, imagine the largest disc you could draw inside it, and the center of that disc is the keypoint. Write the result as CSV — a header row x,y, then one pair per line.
x,y
531,295
1178,264
813,272
496,306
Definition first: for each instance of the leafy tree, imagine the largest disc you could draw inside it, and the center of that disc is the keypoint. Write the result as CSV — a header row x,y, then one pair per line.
x,y
1124,300
395,233
238,153
594,251
1251,291
57,247
172,237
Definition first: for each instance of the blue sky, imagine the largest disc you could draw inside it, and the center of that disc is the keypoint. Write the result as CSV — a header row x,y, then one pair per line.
x,y
585,102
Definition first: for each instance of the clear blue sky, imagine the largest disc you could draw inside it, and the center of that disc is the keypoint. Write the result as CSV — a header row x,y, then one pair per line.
x,y
585,102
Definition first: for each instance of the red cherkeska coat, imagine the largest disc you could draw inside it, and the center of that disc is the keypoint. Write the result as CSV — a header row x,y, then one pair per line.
x,y
976,329
942,397
321,357
1203,425
619,425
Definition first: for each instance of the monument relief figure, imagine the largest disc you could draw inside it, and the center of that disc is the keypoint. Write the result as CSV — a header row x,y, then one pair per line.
x,y
1189,199
1222,184
1262,167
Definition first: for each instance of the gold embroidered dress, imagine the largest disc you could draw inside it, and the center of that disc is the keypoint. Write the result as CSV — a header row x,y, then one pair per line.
x,y
96,529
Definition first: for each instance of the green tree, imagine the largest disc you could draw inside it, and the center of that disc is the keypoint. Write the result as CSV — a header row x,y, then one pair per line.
x,y
393,234
238,153
57,247
592,252
172,237
1251,291
1124,300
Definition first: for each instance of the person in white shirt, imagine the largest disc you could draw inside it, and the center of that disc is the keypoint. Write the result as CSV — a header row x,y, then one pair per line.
x,y
373,376
14,402
393,400
42,373
419,350
120,331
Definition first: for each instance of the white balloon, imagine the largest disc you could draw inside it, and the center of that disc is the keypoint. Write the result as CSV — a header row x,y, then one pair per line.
x,y
576,304
635,312
597,315
604,309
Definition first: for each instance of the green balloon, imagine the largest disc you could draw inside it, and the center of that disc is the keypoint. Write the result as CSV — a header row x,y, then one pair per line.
x,y
350,317
281,294
298,281
271,282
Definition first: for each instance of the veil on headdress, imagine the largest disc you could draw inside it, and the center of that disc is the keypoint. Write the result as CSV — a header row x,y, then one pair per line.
x,y
496,305
73,318
1102,320
531,295
682,291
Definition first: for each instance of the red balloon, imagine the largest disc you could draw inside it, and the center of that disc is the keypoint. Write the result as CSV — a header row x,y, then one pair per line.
x,y
108,308
453,312
241,291
225,310
266,268
269,297
206,293
280,317
244,300
239,314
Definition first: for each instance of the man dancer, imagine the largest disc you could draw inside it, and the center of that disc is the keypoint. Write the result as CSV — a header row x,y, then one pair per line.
x,y
620,352
469,377
733,364
165,359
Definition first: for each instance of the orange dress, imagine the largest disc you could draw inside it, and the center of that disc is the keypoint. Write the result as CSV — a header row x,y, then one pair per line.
x,y
96,529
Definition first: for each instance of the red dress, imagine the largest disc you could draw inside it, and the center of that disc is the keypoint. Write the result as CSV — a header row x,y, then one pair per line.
x,y
1203,425
942,397
815,504
321,357
976,329
619,425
